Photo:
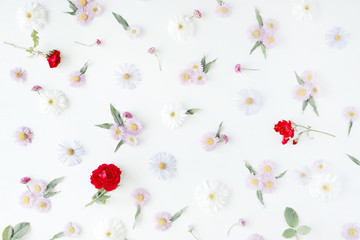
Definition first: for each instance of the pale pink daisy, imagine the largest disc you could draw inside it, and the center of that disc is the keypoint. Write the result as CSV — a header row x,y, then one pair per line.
x,y
256,236
118,132
163,221
351,231
72,229
77,79
269,39
131,140
200,77
37,187
84,16
196,66
270,183
351,113
43,204
320,166
95,8
133,127
271,25
18,74
82,3
314,89
133,31
308,76
302,92
266,168
187,76
254,182
209,141
223,9
23,136
256,33
141,197
27,199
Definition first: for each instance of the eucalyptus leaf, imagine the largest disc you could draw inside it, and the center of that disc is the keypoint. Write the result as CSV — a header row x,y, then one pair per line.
x,y
251,169
116,115
263,48
73,8
84,68
208,65
203,62
303,230
220,2
259,196
258,17
305,103
192,111
313,104
102,199
35,38
350,126
257,44
289,233
119,145
177,215
7,233
281,175
53,184
58,235
121,20
50,194
299,80
105,125
219,130
354,159
20,230
291,217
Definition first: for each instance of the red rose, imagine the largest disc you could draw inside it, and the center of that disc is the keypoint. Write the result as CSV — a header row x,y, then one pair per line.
x,y
106,176
53,58
285,129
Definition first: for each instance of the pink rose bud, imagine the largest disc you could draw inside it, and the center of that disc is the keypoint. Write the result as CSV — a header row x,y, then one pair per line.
x,y
151,50
237,68
36,88
242,222
127,115
226,139
197,13
25,180
98,42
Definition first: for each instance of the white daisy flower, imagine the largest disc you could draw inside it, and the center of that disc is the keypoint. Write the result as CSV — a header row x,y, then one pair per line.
x,y
351,114
110,229
337,38
70,154
325,187
173,115
303,175
304,9
53,102
128,76
181,28
133,31
32,16
163,165
320,166
212,195
250,101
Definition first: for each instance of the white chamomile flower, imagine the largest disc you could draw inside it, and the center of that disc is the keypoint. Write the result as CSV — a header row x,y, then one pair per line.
x,y
303,175
128,76
304,9
181,28
32,16
212,195
53,102
250,101
173,115
70,154
324,187
163,165
110,229
337,38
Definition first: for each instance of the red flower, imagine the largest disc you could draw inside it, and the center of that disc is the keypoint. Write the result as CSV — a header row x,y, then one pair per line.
x,y
285,129
294,142
106,176
53,58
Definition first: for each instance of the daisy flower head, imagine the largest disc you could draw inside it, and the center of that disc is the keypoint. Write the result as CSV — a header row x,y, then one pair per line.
x,y
256,237
324,187
117,132
53,102
95,8
181,28
209,141
37,187
351,231
309,76
196,66
337,38
72,229
27,199
254,182
256,33
128,76
133,31
304,9
320,166
163,165
351,114
84,16
313,88
23,136
212,195
163,221
250,101
303,175
43,204
77,79
223,10
269,39
173,115
18,74
131,140
270,183
267,168
70,154
133,127
110,229
200,77
271,25
302,92
187,76
82,3
32,16
141,197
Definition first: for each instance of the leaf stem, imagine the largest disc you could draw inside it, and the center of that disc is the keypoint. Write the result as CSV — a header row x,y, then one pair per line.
x,y
194,236
308,129
231,228
158,60
94,200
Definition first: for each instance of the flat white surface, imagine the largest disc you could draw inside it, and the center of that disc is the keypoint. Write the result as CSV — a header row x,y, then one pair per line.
x,y
302,47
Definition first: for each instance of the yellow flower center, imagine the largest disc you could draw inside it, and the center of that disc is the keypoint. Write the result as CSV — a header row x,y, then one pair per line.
x,y
162,166
82,2
162,222
301,92
133,127
209,141
256,33
249,101
309,77
307,7
180,26
254,181
315,90
271,25
320,166
352,232
270,39
269,185
351,114
29,15
71,230
83,17
195,66
26,200
94,9
43,205
185,77
117,132
70,151
37,188
131,139
139,198
267,169
303,175
212,196
22,136
337,37
75,79
109,234
126,76
51,101
133,31
199,78
326,188
223,9
173,114
18,74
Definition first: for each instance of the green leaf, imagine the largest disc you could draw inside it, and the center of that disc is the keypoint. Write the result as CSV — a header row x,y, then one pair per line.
x,y
116,115
138,211
258,17
350,126
303,230
263,48
71,13
257,44
305,103
208,65
354,159
105,125
219,130
177,215
53,184
50,194
220,2
59,235
251,169
289,233
281,175
260,196
291,217
20,230
203,62
299,80
84,68
313,104
35,38
192,111
73,8
7,233
121,20
119,145
102,199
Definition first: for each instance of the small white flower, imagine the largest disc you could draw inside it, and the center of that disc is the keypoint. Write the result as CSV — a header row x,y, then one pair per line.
x,y
70,154
320,166
325,187
304,9
351,114
303,175
250,101
212,195
163,165
133,31
181,28
337,38
128,76
110,229
173,115
32,16
53,102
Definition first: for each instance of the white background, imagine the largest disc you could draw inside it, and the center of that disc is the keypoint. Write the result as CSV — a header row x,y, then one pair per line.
x,y
302,47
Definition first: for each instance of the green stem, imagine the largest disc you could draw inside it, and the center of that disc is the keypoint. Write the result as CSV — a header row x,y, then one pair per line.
x,y
158,61
251,69
194,235
231,228
33,52
100,195
297,238
313,130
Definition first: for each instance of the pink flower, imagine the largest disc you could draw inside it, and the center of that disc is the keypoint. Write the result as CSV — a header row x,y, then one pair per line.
x,y
200,77
18,74
270,183
141,197
209,141
118,132
72,230
133,127
95,8
225,138
82,3
163,221
269,39
127,115
131,140
133,31
302,92
237,68
151,50
84,16
98,42
187,76
43,204
351,231
256,237
77,79
242,222
266,168
27,199
256,33
197,13
23,136
223,10
36,88
37,187
25,180
254,182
